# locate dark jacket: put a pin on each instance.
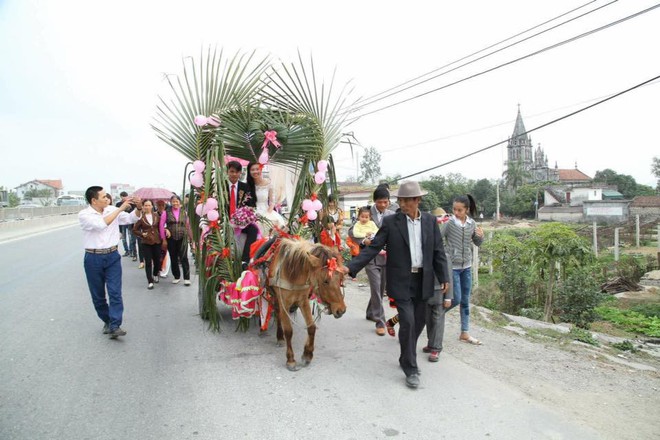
(393, 233)
(148, 233)
(244, 196)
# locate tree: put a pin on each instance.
(515, 175)
(624, 183)
(429, 202)
(485, 195)
(655, 170)
(554, 245)
(370, 165)
(38, 193)
(13, 199)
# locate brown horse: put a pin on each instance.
(298, 270)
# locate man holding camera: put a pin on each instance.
(100, 224)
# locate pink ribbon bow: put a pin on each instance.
(270, 136)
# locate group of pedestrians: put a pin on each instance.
(416, 257)
(412, 255)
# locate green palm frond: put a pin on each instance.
(208, 86)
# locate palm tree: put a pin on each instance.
(515, 175)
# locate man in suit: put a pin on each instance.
(415, 255)
(376, 268)
(240, 195)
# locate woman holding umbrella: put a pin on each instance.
(146, 229)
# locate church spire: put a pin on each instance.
(519, 128)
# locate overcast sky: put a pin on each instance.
(79, 82)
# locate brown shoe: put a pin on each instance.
(380, 331)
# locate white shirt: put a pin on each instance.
(98, 235)
(415, 237)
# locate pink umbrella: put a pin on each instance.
(154, 194)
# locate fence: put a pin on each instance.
(27, 212)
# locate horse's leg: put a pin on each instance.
(308, 354)
(287, 329)
(277, 308)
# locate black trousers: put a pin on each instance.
(151, 253)
(178, 255)
(412, 314)
(251, 231)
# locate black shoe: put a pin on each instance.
(126, 254)
(106, 329)
(412, 381)
(116, 333)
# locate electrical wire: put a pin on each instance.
(483, 72)
(374, 100)
(616, 95)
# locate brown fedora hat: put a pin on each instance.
(410, 189)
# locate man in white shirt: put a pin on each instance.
(100, 224)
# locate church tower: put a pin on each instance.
(534, 162)
(519, 148)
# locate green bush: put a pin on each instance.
(582, 335)
(625, 346)
(631, 320)
(579, 295)
(648, 310)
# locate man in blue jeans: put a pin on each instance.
(100, 225)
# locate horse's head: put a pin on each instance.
(328, 278)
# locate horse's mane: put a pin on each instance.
(323, 253)
(294, 264)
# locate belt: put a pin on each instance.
(415, 270)
(102, 251)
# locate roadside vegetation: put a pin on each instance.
(550, 273)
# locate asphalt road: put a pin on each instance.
(170, 378)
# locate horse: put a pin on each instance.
(298, 270)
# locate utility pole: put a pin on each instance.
(497, 204)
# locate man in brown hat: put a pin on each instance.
(415, 255)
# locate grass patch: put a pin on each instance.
(631, 321)
(582, 335)
(625, 346)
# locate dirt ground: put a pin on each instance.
(613, 392)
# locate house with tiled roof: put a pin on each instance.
(54, 185)
(647, 207)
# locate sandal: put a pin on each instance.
(470, 340)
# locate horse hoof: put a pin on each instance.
(292, 367)
(280, 343)
(305, 362)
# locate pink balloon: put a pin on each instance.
(213, 215)
(319, 177)
(322, 165)
(199, 210)
(306, 205)
(201, 120)
(311, 214)
(197, 180)
(263, 157)
(212, 120)
(211, 203)
(317, 205)
(199, 166)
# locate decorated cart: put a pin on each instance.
(249, 109)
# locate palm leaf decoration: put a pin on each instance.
(250, 97)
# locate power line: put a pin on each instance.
(476, 130)
(374, 100)
(532, 130)
(545, 49)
